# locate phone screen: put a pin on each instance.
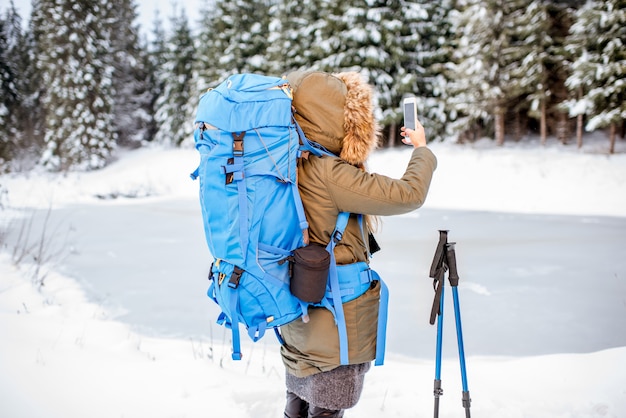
(409, 115)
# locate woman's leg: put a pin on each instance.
(296, 407)
(317, 412)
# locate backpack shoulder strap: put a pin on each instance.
(306, 145)
(337, 308)
(340, 226)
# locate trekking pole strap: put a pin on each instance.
(437, 270)
(439, 258)
(437, 308)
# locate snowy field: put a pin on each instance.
(66, 355)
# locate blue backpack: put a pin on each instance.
(253, 216)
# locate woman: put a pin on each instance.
(336, 111)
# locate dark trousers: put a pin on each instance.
(299, 408)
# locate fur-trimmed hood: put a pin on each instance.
(336, 111)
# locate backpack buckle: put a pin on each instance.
(236, 158)
(235, 277)
(238, 143)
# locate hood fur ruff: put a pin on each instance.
(336, 111)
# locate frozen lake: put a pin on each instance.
(530, 284)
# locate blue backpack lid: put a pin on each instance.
(240, 103)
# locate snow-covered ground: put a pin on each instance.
(63, 355)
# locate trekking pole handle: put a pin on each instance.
(453, 275)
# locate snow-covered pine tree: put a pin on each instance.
(477, 31)
(158, 43)
(175, 108)
(74, 40)
(350, 37)
(17, 76)
(242, 36)
(506, 79)
(492, 42)
(131, 78)
(31, 119)
(363, 37)
(206, 70)
(155, 60)
(9, 94)
(294, 33)
(580, 79)
(561, 13)
(597, 45)
(431, 50)
(529, 67)
(385, 58)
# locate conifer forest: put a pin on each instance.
(80, 79)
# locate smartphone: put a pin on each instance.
(410, 112)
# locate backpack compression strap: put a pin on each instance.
(223, 319)
(340, 226)
(381, 332)
(355, 274)
(234, 172)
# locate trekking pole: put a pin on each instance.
(437, 390)
(445, 260)
(437, 270)
(453, 277)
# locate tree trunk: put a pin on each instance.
(612, 135)
(579, 131)
(392, 135)
(543, 124)
(562, 130)
(499, 125)
(579, 123)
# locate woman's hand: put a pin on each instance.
(416, 137)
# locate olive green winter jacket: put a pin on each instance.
(331, 185)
